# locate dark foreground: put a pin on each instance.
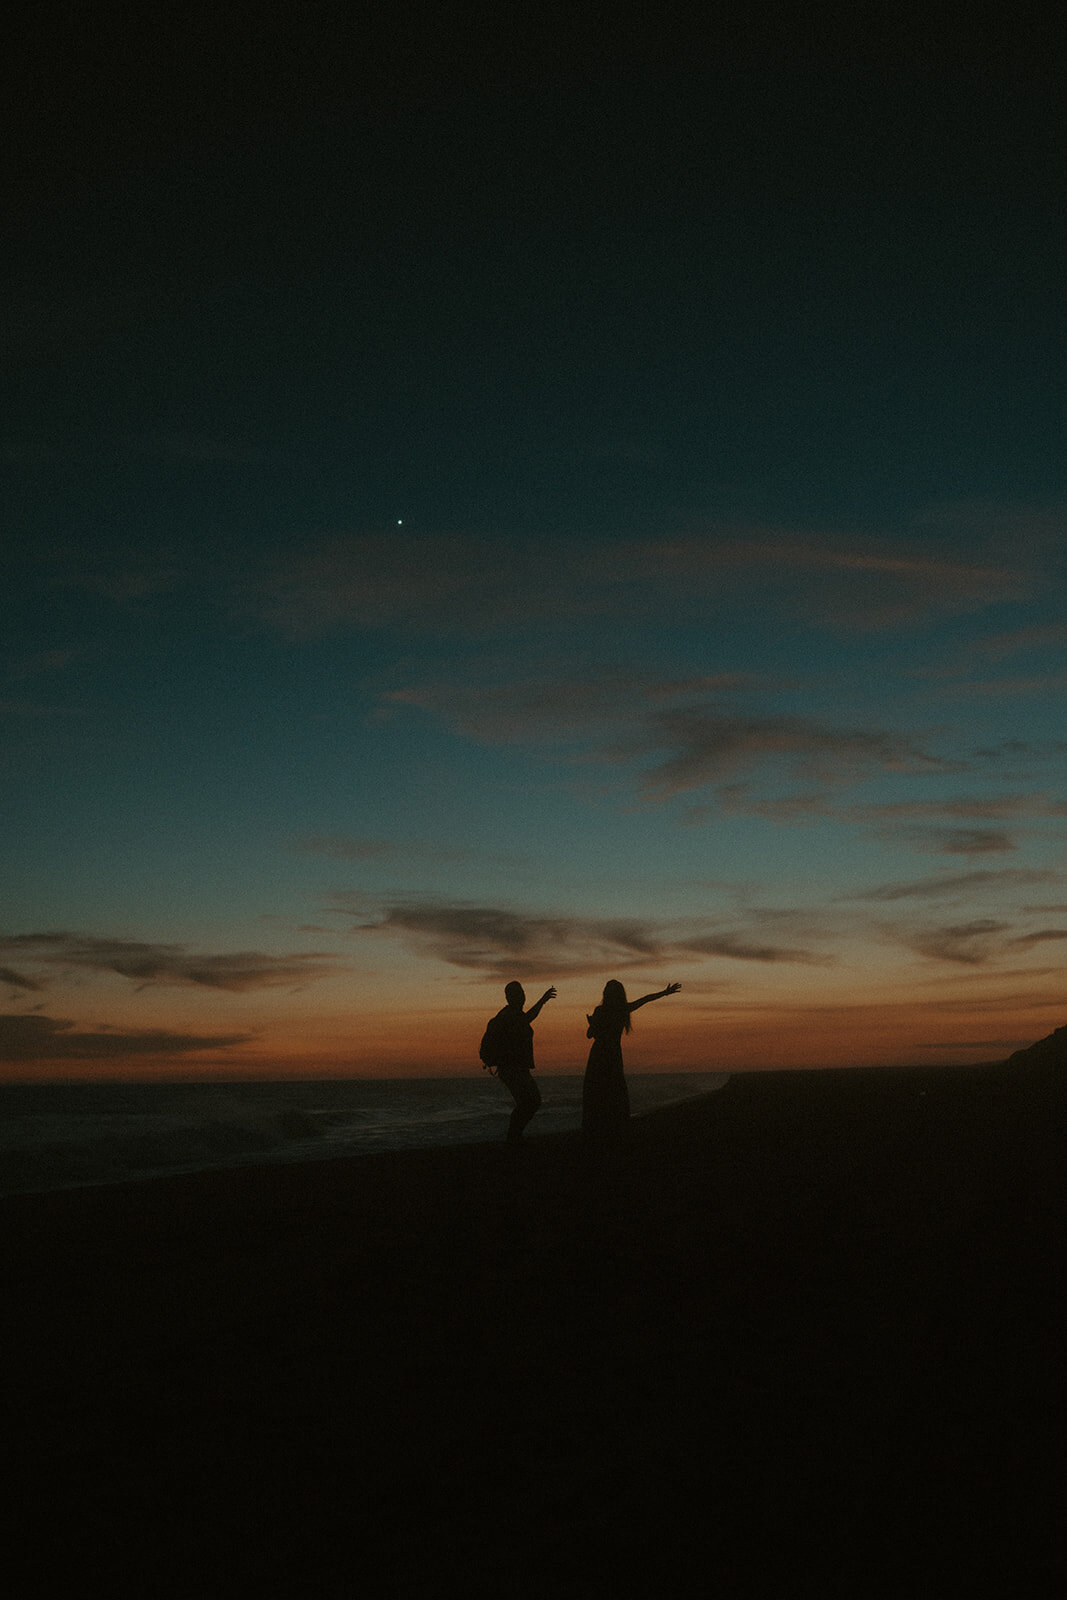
(807, 1340)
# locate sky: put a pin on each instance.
(568, 497)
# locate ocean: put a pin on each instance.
(68, 1135)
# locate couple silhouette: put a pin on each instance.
(605, 1097)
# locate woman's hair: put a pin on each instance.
(614, 999)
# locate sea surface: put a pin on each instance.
(68, 1135)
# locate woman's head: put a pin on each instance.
(614, 998)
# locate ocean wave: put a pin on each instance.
(60, 1136)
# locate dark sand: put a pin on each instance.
(807, 1340)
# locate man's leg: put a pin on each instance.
(527, 1097)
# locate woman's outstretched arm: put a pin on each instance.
(672, 988)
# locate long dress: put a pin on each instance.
(605, 1097)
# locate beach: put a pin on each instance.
(804, 1336)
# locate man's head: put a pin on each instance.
(515, 995)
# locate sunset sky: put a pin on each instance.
(542, 500)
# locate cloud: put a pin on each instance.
(968, 943)
(707, 746)
(946, 885)
(1041, 936)
(620, 719)
(1047, 683)
(911, 815)
(808, 808)
(956, 841)
(438, 583)
(1020, 750)
(501, 943)
(975, 942)
(541, 710)
(17, 980)
(38, 1038)
(738, 948)
(975, 655)
(739, 799)
(169, 963)
(855, 581)
(973, 1044)
(994, 808)
(1020, 641)
(475, 584)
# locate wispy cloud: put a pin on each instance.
(993, 808)
(502, 943)
(1015, 688)
(979, 654)
(972, 1044)
(956, 841)
(375, 581)
(1037, 637)
(124, 571)
(38, 1038)
(913, 822)
(953, 885)
(806, 808)
(1040, 936)
(706, 747)
(975, 942)
(560, 709)
(18, 980)
(698, 742)
(741, 947)
(1017, 751)
(463, 582)
(968, 943)
(147, 963)
(845, 581)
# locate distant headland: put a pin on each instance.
(1048, 1052)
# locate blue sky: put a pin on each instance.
(597, 512)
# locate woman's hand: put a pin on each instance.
(672, 988)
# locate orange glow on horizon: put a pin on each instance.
(735, 1037)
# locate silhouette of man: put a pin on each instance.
(513, 1037)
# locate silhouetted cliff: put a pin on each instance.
(1050, 1052)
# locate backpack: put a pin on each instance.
(489, 1049)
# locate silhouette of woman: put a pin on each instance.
(605, 1097)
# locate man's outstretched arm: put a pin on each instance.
(549, 994)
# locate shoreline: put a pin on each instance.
(105, 1134)
(809, 1310)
